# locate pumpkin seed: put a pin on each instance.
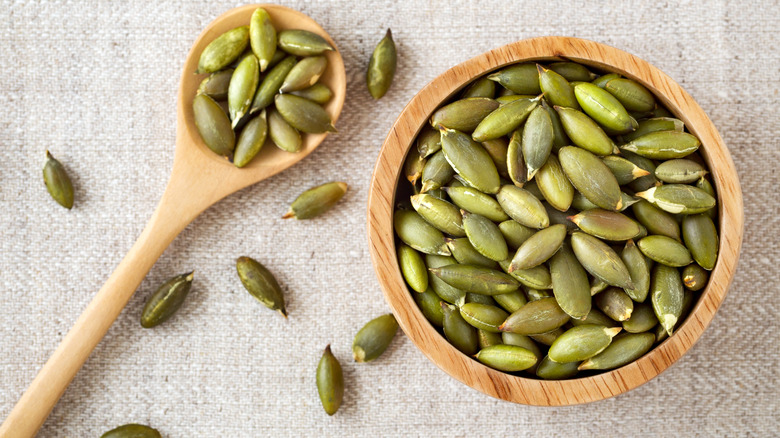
(480, 299)
(223, 50)
(251, 140)
(694, 277)
(465, 254)
(607, 225)
(261, 284)
(572, 71)
(604, 108)
(428, 142)
(213, 125)
(441, 214)
(374, 338)
(560, 139)
(514, 233)
(58, 182)
(319, 93)
(538, 248)
(446, 292)
(216, 84)
(554, 184)
(304, 74)
(679, 198)
(547, 338)
(705, 185)
(166, 300)
(701, 239)
(624, 170)
(413, 268)
(515, 163)
(639, 269)
(262, 37)
(598, 285)
(663, 145)
(463, 115)
(482, 87)
(550, 370)
(381, 67)
(485, 236)
(303, 43)
(631, 94)
(436, 172)
(470, 160)
(509, 358)
(460, 333)
(483, 316)
(591, 177)
(519, 78)
(303, 114)
(330, 382)
(536, 317)
(656, 220)
(511, 301)
(523, 341)
(615, 303)
(488, 339)
(429, 304)
(523, 207)
(474, 201)
(556, 88)
(666, 293)
(595, 317)
(665, 250)
(504, 119)
(537, 277)
(476, 279)
(498, 150)
(271, 84)
(537, 139)
(623, 350)
(642, 319)
(600, 260)
(601, 81)
(644, 182)
(132, 431)
(318, 200)
(284, 136)
(680, 171)
(580, 343)
(584, 132)
(654, 125)
(570, 283)
(241, 90)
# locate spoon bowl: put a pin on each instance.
(199, 179)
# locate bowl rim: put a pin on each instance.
(528, 390)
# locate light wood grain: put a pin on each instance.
(199, 179)
(527, 390)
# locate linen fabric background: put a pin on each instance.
(95, 83)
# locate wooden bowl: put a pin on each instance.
(528, 390)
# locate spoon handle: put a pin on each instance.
(48, 386)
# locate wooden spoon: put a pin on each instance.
(199, 179)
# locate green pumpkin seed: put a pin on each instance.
(581, 203)
(600, 260)
(631, 94)
(262, 37)
(654, 125)
(580, 343)
(679, 198)
(536, 317)
(560, 139)
(509, 358)
(604, 108)
(623, 350)
(624, 170)
(556, 88)
(595, 317)
(413, 268)
(488, 339)
(511, 301)
(627, 201)
(642, 319)
(441, 214)
(330, 382)
(535, 294)
(470, 160)
(550, 370)
(463, 115)
(601, 81)
(414, 231)
(498, 150)
(656, 220)
(701, 239)
(615, 303)
(639, 269)
(591, 177)
(261, 284)
(381, 67)
(514, 233)
(304, 74)
(547, 338)
(303, 114)
(428, 142)
(319, 93)
(505, 119)
(482, 87)
(132, 431)
(554, 185)
(460, 333)
(532, 188)
(213, 125)
(644, 182)
(680, 171)
(465, 254)
(251, 140)
(284, 136)
(476, 279)
(374, 338)
(446, 292)
(570, 283)
(523, 207)
(694, 277)
(166, 300)
(271, 84)
(607, 225)
(584, 132)
(216, 84)
(666, 293)
(519, 78)
(515, 162)
(537, 277)
(665, 250)
(303, 43)
(485, 236)
(663, 145)
(537, 140)
(705, 185)
(538, 248)
(429, 304)
(572, 71)
(504, 99)
(598, 285)
(318, 200)
(480, 299)
(241, 90)
(436, 172)
(523, 341)
(483, 316)
(58, 182)
(474, 201)
(223, 50)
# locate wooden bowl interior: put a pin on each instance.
(524, 390)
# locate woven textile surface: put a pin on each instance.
(95, 83)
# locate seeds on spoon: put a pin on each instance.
(262, 37)
(213, 125)
(303, 114)
(251, 140)
(300, 42)
(223, 50)
(304, 74)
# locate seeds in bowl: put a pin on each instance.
(561, 208)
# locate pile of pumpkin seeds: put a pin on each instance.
(262, 83)
(556, 220)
